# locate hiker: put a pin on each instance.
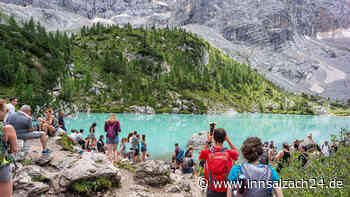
(134, 146)
(143, 147)
(219, 161)
(296, 145)
(334, 148)
(188, 163)
(325, 149)
(253, 173)
(81, 140)
(22, 122)
(73, 136)
(12, 105)
(189, 151)
(112, 127)
(61, 121)
(178, 155)
(309, 143)
(273, 150)
(303, 157)
(91, 143)
(50, 123)
(101, 145)
(123, 148)
(284, 156)
(266, 155)
(8, 145)
(137, 154)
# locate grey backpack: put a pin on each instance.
(257, 177)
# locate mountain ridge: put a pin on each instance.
(279, 38)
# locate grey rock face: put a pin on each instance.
(142, 109)
(153, 172)
(300, 45)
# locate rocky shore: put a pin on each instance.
(68, 173)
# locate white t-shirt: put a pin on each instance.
(325, 150)
(11, 108)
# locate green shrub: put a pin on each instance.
(67, 143)
(320, 173)
(89, 187)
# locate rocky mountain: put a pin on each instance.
(300, 45)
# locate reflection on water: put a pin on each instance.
(163, 131)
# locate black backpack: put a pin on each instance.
(187, 163)
(265, 157)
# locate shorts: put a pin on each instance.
(5, 173)
(188, 171)
(143, 149)
(137, 152)
(30, 135)
(115, 140)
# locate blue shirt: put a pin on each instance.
(236, 169)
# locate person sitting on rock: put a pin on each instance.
(51, 123)
(8, 144)
(101, 145)
(22, 122)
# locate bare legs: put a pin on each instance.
(6, 189)
(115, 153)
(110, 152)
(143, 155)
(11, 138)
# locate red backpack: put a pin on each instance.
(217, 168)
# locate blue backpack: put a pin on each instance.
(180, 155)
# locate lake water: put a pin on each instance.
(163, 130)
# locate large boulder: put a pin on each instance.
(198, 140)
(87, 167)
(153, 172)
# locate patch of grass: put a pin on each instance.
(67, 143)
(128, 167)
(89, 187)
(26, 162)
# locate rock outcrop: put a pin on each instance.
(153, 172)
(56, 173)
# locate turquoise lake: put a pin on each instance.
(163, 130)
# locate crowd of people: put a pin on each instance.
(132, 147)
(217, 161)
